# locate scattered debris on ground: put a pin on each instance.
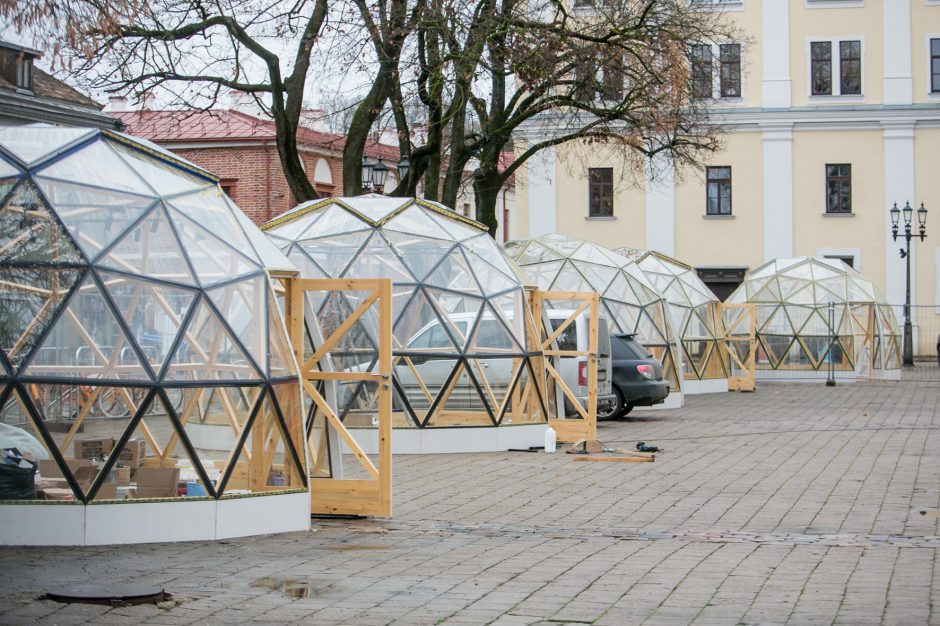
(595, 450)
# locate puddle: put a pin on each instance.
(352, 547)
(287, 586)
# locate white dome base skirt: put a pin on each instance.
(706, 385)
(811, 376)
(456, 439)
(76, 524)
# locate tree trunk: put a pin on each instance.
(487, 184)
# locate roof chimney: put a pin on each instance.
(243, 102)
(117, 104)
(146, 101)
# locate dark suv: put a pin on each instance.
(637, 377)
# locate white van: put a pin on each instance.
(573, 370)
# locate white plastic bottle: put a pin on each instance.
(550, 439)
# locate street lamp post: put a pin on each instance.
(908, 355)
(374, 175)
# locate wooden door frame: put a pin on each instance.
(585, 425)
(341, 496)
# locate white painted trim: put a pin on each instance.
(897, 81)
(777, 143)
(836, 74)
(54, 524)
(936, 274)
(834, 4)
(543, 200)
(775, 32)
(899, 187)
(660, 206)
(452, 440)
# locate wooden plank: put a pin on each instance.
(384, 505)
(569, 431)
(318, 375)
(332, 496)
(610, 459)
(340, 332)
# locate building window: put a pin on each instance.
(838, 188)
(730, 70)
(826, 75)
(466, 209)
(228, 186)
(848, 259)
(701, 71)
(718, 190)
(613, 78)
(601, 192)
(24, 73)
(935, 65)
(850, 68)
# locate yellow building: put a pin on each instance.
(831, 113)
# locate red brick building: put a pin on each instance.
(241, 150)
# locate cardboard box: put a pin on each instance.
(123, 475)
(132, 453)
(107, 491)
(91, 448)
(157, 482)
(49, 469)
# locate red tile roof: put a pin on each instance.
(189, 126)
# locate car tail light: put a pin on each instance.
(646, 371)
(582, 373)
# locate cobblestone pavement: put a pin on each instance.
(797, 504)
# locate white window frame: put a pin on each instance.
(835, 4)
(836, 69)
(715, 48)
(855, 253)
(720, 5)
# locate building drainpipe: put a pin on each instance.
(267, 181)
(505, 218)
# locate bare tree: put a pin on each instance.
(616, 71)
(195, 50)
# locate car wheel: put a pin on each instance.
(617, 408)
(626, 410)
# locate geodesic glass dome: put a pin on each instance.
(142, 346)
(461, 324)
(694, 308)
(792, 297)
(630, 303)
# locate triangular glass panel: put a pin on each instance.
(295, 229)
(332, 254)
(770, 292)
(212, 259)
(544, 273)
(454, 228)
(334, 221)
(599, 276)
(97, 165)
(281, 361)
(318, 444)
(490, 335)
(86, 341)
(798, 316)
(153, 312)
(454, 273)
(803, 295)
(150, 249)
(418, 328)
(777, 322)
(495, 377)
(7, 169)
(163, 178)
(570, 279)
(242, 305)
(95, 217)
(264, 463)
(422, 378)
(209, 207)
(208, 352)
(621, 290)
(213, 419)
(589, 253)
(376, 260)
(534, 252)
(156, 459)
(417, 221)
(308, 269)
(84, 422)
(486, 248)
(420, 254)
(6, 184)
(29, 232)
(513, 309)
(774, 348)
(459, 403)
(457, 311)
(375, 207)
(33, 142)
(622, 318)
(29, 298)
